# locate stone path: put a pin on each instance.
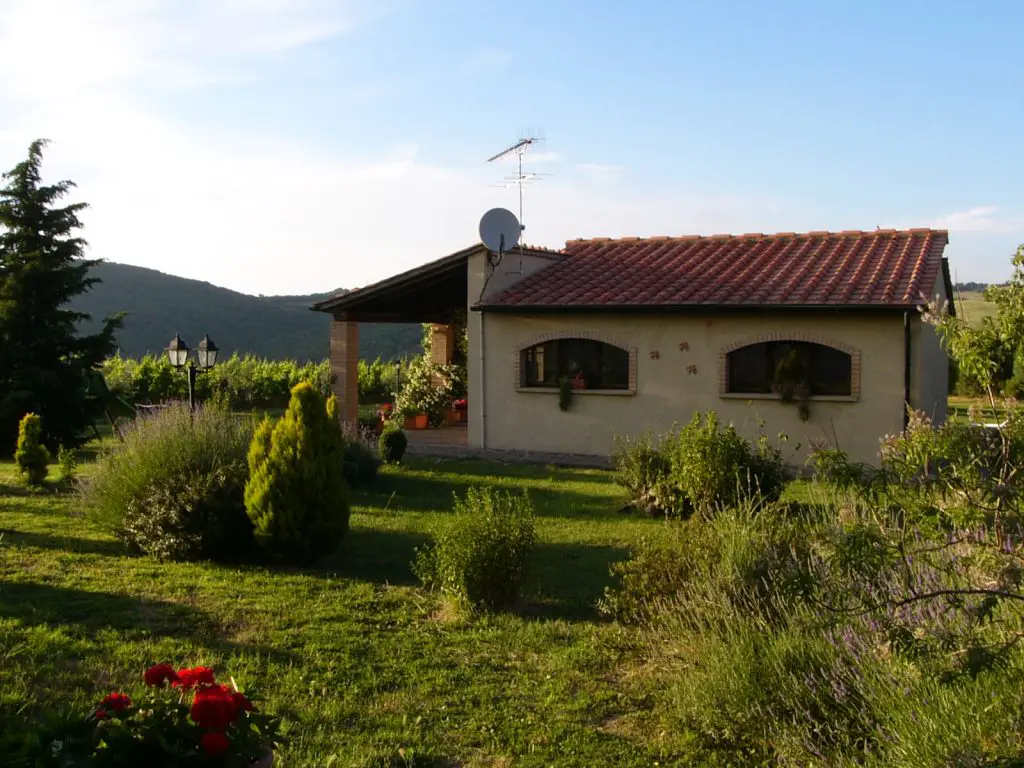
(520, 457)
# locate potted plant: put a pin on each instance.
(578, 381)
(417, 421)
(791, 384)
(459, 408)
(183, 717)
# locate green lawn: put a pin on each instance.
(363, 665)
(972, 306)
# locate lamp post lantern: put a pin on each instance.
(398, 376)
(206, 355)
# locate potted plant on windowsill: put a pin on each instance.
(791, 385)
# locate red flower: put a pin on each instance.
(114, 702)
(214, 743)
(214, 708)
(243, 704)
(159, 674)
(193, 677)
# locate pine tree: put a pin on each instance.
(43, 362)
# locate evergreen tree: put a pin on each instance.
(43, 362)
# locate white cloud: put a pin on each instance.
(258, 213)
(599, 173)
(981, 218)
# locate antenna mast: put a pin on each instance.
(518, 149)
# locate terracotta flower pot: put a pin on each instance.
(577, 384)
(419, 421)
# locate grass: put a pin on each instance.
(972, 306)
(365, 667)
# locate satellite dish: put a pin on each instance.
(500, 230)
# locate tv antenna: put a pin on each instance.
(519, 179)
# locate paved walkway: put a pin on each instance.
(451, 443)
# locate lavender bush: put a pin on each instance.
(174, 487)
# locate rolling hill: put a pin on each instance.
(159, 305)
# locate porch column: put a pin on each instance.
(442, 344)
(345, 366)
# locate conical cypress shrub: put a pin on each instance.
(31, 455)
(296, 495)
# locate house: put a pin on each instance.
(815, 335)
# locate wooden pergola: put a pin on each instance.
(433, 293)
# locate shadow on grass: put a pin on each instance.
(411, 759)
(381, 557)
(567, 580)
(64, 543)
(34, 604)
(434, 493)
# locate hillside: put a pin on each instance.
(278, 327)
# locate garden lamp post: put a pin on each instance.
(398, 376)
(206, 356)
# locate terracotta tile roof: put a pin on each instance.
(881, 268)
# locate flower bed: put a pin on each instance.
(183, 716)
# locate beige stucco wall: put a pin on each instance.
(679, 366)
(484, 281)
(929, 365)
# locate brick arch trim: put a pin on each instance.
(853, 352)
(590, 336)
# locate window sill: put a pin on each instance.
(765, 396)
(554, 391)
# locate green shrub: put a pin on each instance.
(31, 455)
(641, 468)
(657, 569)
(174, 486)
(708, 463)
(392, 443)
(296, 495)
(699, 467)
(482, 556)
(67, 463)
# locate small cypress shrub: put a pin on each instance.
(296, 496)
(392, 443)
(31, 455)
(482, 556)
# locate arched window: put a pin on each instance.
(778, 366)
(586, 363)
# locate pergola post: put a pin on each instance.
(442, 343)
(345, 366)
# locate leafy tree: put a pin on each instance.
(43, 362)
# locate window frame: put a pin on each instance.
(522, 370)
(725, 388)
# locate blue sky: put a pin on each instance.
(286, 146)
